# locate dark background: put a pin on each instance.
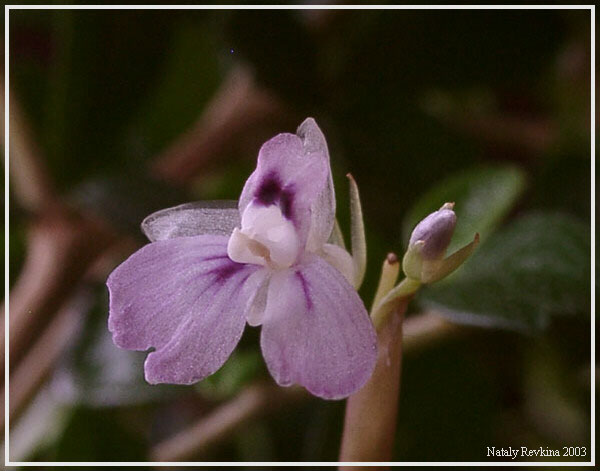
(132, 111)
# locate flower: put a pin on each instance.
(210, 268)
(424, 260)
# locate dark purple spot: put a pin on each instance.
(214, 257)
(225, 272)
(270, 190)
(285, 202)
(304, 284)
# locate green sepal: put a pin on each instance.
(435, 270)
(412, 263)
(357, 234)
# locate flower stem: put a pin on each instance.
(370, 421)
(387, 302)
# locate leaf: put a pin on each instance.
(536, 268)
(239, 370)
(99, 435)
(186, 82)
(483, 197)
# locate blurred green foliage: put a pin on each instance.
(106, 91)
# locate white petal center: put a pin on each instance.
(265, 238)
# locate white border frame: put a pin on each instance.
(591, 8)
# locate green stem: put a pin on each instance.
(387, 280)
(386, 304)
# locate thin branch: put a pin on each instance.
(426, 329)
(239, 111)
(41, 358)
(60, 249)
(253, 401)
(419, 331)
(30, 181)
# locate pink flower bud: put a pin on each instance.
(435, 231)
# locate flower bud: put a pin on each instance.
(435, 231)
(424, 260)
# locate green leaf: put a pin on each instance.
(100, 435)
(185, 84)
(483, 197)
(536, 268)
(240, 369)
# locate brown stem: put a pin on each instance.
(239, 110)
(30, 180)
(39, 361)
(256, 399)
(370, 422)
(419, 331)
(426, 329)
(60, 249)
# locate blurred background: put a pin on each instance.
(115, 114)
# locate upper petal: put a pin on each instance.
(293, 172)
(322, 214)
(185, 298)
(316, 331)
(192, 219)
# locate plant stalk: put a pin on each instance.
(370, 421)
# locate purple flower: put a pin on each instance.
(211, 268)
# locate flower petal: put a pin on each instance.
(293, 172)
(185, 298)
(322, 213)
(340, 260)
(192, 219)
(317, 332)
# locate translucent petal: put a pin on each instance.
(191, 219)
(322, 211)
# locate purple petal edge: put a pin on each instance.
(185, 298)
